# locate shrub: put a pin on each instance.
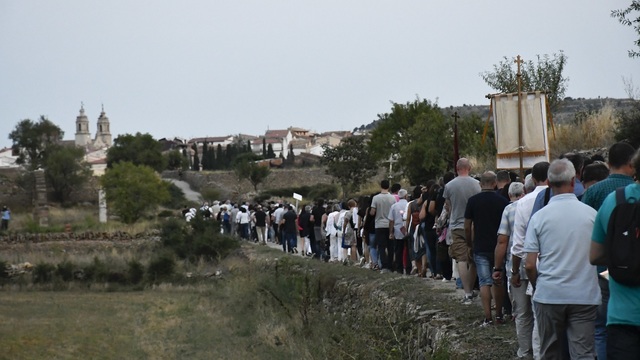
(197, 238)
(161, 267)
(176, 197)
(3, 270)
(135, 272)
(589, 131)
(96, 271)
(43, 273)
(65, 270)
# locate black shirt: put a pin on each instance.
(290, 225)
(261, 218)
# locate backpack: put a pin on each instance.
(622, 243)
(226, 216)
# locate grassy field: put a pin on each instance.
(266, 305)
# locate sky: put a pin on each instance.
(196, 68)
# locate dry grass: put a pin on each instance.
(254, 311)
(594, 131)
(80, 219)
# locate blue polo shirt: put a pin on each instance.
(624, 301)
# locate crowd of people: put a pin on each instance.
(535, 251)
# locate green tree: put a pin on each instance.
(195, 166)
(626, 18)
(264, 148)
(175, 160)
(31, 139)
(546, 74)
(65, 170)
(205, 156)
(629, 126)
(350, 163)
(245, 167)
(139, 149)
(133, 190)
(270, 153)
(419, 135)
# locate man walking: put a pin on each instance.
(623, 318)
(566, 293)
(397, 232)
(456, 193)
(380, 206)
(482, 219)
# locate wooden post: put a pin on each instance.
(456, 152)
(520, 147)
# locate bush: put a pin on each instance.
(589, 131)
(161, 268)
(43, 273)
(65, 270)
(196, 239)
(96, 271)
(176, 197)
(135, 272)
(3, 270)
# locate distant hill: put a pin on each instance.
(565, 113)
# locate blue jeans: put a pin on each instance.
(291, 239)
(373, 250)
(601, 320)
(484, 264)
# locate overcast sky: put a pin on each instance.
(213, 68)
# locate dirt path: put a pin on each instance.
(186, 189)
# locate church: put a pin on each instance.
(102, 139)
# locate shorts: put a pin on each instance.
(459, 250)
(484, 266)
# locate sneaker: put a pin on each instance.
(414, 270)
(362, 261)
(385, 271)
(467, 300)
(486, 323)
(500, 320)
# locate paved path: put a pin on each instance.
(186, 189)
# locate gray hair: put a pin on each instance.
(488, 178)
(560, 172)
(529, 185)
(402, 193)
(516, 189)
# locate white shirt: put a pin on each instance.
(521, 220)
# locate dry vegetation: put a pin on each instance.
(261, 307)
(591, 131)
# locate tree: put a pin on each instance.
(419, 135)
(133, 190)
(175, 160)
(625, 18)
(350, 163)
(270, 153)
(205, 156)
(31, 139)
(543, 75)
(65, 170)
(245, 167)
(264, 148)
(196, 159)
(139, 149)
(629, 126)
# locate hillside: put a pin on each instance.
(565, 113)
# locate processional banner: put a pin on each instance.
(535, 144)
